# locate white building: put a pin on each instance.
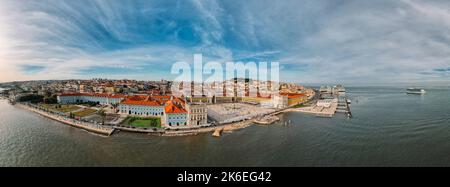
(325, 90)
(103, 99)
(143, 105)
(197, 114)
(141, 108)
(280, 101)
(175, 114)
(339, 90)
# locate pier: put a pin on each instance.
(343, 106)
(267, 120)
(217, 132)
(332, 101)
(319, 111)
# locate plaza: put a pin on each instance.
(235, 112)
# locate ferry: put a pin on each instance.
(415, 91)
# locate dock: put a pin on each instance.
(332, 100)
(344, 107)
(319, 111)
(266, 120)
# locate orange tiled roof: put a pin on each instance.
(117, 96)
(73, 94)
(293, 95)
(172, 108)
(179, 101)
(138, 97)
(142, 102)
(161, 97)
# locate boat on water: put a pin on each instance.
(415, 91)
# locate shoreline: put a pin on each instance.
(109, 130)
(102, 130)
(227, 128)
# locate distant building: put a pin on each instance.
(103, 99)
(280, 101)
(339, 90)
(295, 98)
(325, 90)
(109, 89)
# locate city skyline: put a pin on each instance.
(350, 42)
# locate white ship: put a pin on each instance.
(339, 90)
(415, 91)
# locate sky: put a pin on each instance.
(315, 41)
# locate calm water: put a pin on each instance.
(389, 128)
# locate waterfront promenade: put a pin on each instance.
(95, 128)
(224, 128)
(109, 130)
(230, 117)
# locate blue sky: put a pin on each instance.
(315, 41)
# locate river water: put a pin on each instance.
(389, 128)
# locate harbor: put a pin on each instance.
(344, 106)
(331, 100)
(229, 117)
(225, 117)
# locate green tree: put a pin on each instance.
(102, 113)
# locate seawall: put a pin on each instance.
(98, 129)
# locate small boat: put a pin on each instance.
(415, 91)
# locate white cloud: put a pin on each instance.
(318, 41)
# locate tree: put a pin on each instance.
(102, 113)
(32, 99)
(115, 106)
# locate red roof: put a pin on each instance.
(144, 102)
(172, 108)
(166, 97)
(116, 96)
(138, 97)
(141, 100)
(293, 95)
(73, 94)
